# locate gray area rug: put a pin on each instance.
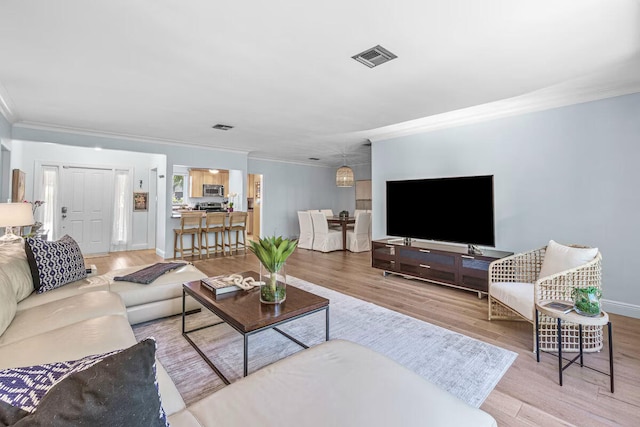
(466, 367)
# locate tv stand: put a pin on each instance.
(442, 264)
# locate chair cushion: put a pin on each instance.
(54, 264)
(518, 296)
(118, 388)
(559, 258)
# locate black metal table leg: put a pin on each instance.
(246, 356)
(610, 355)
(580, 343)
(184, 296)
(327, 324)
(560, 350)
(537, 336)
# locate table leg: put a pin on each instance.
(560, 350)
(184, 296)
(344, 236)
(580, 343)
(610, 355)
(537, 336)
(246, 351)
(327, 324)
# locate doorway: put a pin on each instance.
(254, 205)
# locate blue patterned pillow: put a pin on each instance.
(54, 264)
(117, 388)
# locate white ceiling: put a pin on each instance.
(281, 72)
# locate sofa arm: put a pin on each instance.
(559, 286)
(523, 267)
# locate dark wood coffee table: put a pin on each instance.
(243, 311)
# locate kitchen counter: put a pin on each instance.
(179, 213)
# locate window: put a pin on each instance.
(179, 189)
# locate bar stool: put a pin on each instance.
(601, 320)
(190, 224)
(237, 223)
(214, 223)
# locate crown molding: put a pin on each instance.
(7, 108)
(617, 80)
(46, 127)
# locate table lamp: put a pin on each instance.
(14, 215)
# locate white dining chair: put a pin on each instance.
(305, 241)
(358, 239)
(327, 212)
(324, 238)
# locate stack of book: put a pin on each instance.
(218, 286)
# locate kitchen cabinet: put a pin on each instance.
(199, 177)
(250, 222)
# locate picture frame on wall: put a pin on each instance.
(140, 201)
(17, 186)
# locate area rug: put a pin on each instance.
(466, 367)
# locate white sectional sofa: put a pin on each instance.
(335, 383)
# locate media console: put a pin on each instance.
(437, 263)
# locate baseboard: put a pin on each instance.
(138, 247)
(621, 308)
(160, 253)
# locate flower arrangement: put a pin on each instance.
(272, 252)
(232, 198)
(35, 205)
(587, 300)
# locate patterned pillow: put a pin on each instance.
(54, 264)
(117, 388)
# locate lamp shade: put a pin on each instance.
(344, 177)
(16, 214)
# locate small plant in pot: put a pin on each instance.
(587, 300)
(272, 252)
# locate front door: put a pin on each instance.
(87, 194)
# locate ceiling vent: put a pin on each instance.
(222, 127)
(375, 56)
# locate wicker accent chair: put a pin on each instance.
(515, 287)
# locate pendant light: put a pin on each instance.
(344, 175)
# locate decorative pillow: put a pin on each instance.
(559, 258)
(114, 389)
(54, 264)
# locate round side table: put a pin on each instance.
(573, 317)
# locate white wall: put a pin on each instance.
(568, 174)
(139, 163)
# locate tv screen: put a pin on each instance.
(456, 210)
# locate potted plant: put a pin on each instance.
(587, 300)
(272, 252)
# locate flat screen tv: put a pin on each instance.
(458, 210)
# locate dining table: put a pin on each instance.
(343, 221)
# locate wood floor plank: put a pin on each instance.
(528, 394)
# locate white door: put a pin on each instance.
(86, 207)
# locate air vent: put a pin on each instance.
(375, 56)
(222, 127)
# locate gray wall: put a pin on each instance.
(568, 174)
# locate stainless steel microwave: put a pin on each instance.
(213, 190)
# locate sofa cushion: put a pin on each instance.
(518, 296)
(8, 302)
(13, 262)
(559, 258)
(60, 313)
(54, 264)
(165, 287)
(118, 388)
(90, 284)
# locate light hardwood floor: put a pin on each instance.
(527, 395)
